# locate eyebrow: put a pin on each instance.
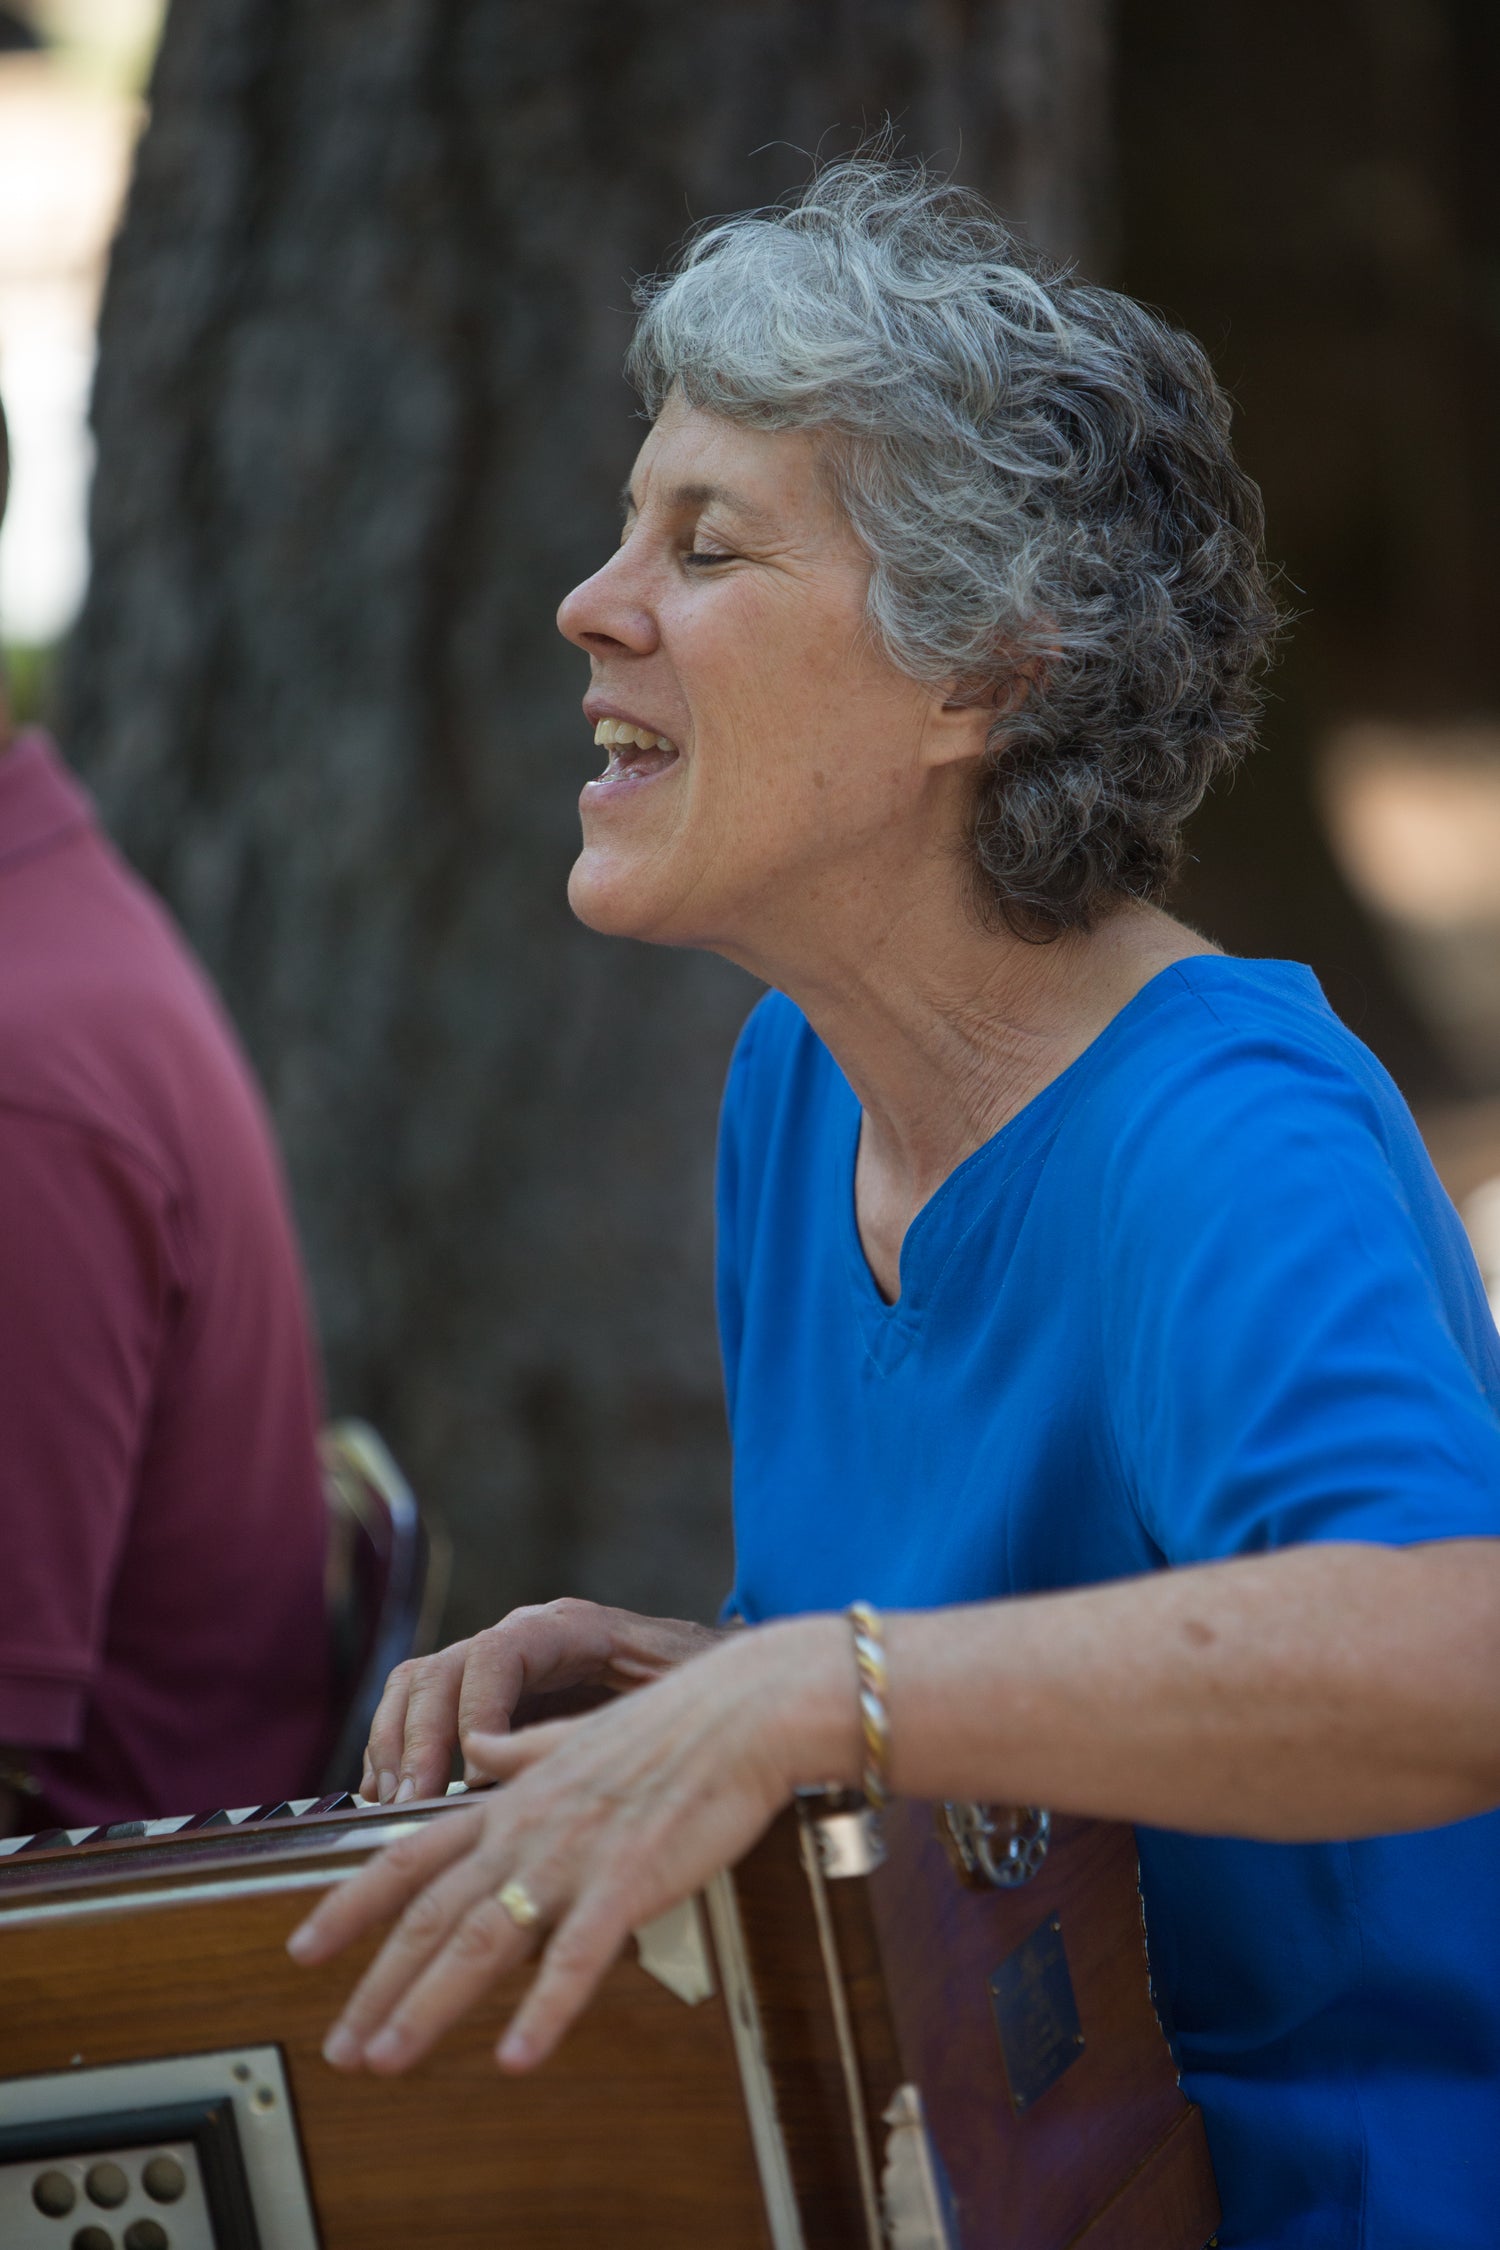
(681, 497)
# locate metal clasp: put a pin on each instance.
(846, 1834)
(999, 1845)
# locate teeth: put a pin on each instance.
(611, 734)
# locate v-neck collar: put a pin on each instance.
(960, 1202)
(938, 1230)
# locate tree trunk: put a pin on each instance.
(360, 426)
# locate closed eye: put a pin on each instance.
(705, 555)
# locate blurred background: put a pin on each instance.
(348, 283)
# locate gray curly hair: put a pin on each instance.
(1041, 473)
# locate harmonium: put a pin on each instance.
(934, 2035)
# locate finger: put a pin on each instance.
(493, 1682)
(499, 1757)
(558, 1645)
(430, 1735)
(419, 1938)
(578, 1955)
(387, 1732)
(382, 1888)
(480, 1946)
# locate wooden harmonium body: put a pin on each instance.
(954, 2049)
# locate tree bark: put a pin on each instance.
(360, 425)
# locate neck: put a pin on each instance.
(946, 1029)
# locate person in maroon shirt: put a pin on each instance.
(163, 1638)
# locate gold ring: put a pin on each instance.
(519, 1903)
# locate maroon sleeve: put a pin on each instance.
(84, 1294)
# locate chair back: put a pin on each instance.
(387, 1576)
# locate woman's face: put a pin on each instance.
(776, 755)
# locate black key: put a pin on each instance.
(50, 1840)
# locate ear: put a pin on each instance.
(957, 732)
(961, 724)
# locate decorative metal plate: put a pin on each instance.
(155, 2194)
(1036, 2014)
(78, 2147)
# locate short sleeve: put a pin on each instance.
(1279, 1335)
(84, 1287)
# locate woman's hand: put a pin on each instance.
(606, 1821)
(508, 1674)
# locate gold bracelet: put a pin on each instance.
(875, 1718)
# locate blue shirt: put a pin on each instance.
(1202, 1297)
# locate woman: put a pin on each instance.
(1087, 1300)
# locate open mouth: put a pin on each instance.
(635, 753)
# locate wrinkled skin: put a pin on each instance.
(537, 1663)
(608, 1819)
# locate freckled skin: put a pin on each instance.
(813, 825)
(810, 768)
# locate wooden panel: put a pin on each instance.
(636, 2133)
(801, 2039)
(1037, 2179)
(1172, 2198)
(634, 2136)
(1112, 2155)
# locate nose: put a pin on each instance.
(605, 615)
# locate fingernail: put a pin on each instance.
(471, 1775)
(407, 1790)
(514, 2051)
(385, 2047)
(387, 1787)
(301, 1942)
(341, 2048)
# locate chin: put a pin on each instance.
(609, 896)
(645, 899)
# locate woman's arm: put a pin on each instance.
(1325, 1691)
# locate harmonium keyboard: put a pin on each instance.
(938, 2036)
